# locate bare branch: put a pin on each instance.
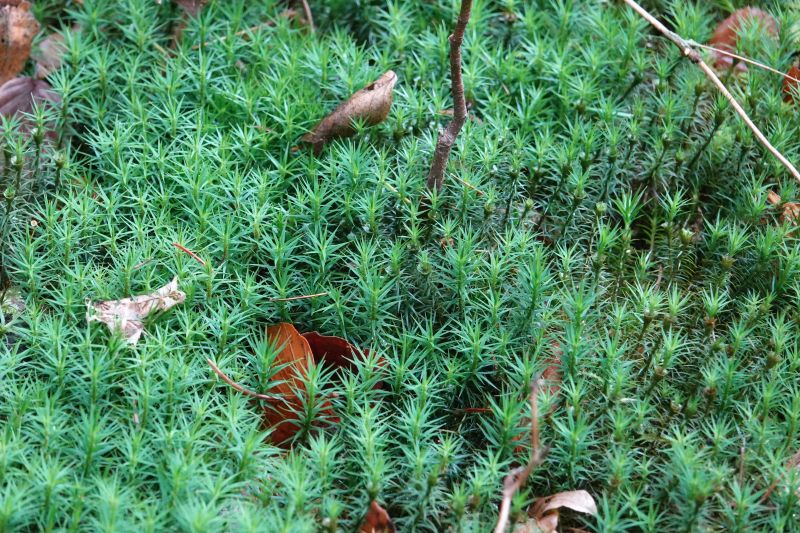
(514, 481)
(448, 135)
(687, 49)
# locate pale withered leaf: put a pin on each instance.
(128, 314)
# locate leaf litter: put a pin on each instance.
(370, 104)
(127, 315)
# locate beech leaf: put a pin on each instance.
(18, 26)
(577, 500)
(19, 94)
(370, 104)
(726, 36)
(294, 359)
(49, 55)
(790, 86)
(377, 520)
(128, 314)
(791, 210)
(544, 512)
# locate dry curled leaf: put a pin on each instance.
(377, 520)
(370, 104)
(17, 29)
(791, 88)
(791, 210)
(726, 36)
(49, 55)
(19, 94)
(128, 314)
(544, 513)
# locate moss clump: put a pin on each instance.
(615, 221)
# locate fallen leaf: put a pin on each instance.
(337, 353)
(577, 500)
(127, 315)
(791, 210)
(551, 375)
(726, 36)
(192, 7)
(791, 88)
(294, 357)
(19, 94)
(377, 520)
(544, 513)
(18, 26)
(49, 55)
(370, 104)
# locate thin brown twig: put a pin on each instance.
(689, 52)
(309, 16)
(745, 60)
(189, 253)
(304, 297)
(468, 184)
(447, 136)
(514, 481)
(241, 389)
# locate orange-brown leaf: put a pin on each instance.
(370, 104)
(726, 36)
(377, 520)
(791, 88)
(294, 359)
(294, 356)
(791, 210)
(17, 29)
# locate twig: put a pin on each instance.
(309, 16)
(189, 253)
(744, 60)
(688, 51)
(241, 389)
(514, 480)
(448, 135)
(468, 184)
(305, 296)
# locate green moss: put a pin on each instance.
(616, 220)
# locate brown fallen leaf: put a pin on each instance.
(791, 210)
(544, 513)
(295, 358)
(192, 7)
(49, 55)
(791, 88)
(296, 355)
(19, 94)
(377, 520)
(18, 26)
(370, 104)
(726, 36)
(128, 314)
